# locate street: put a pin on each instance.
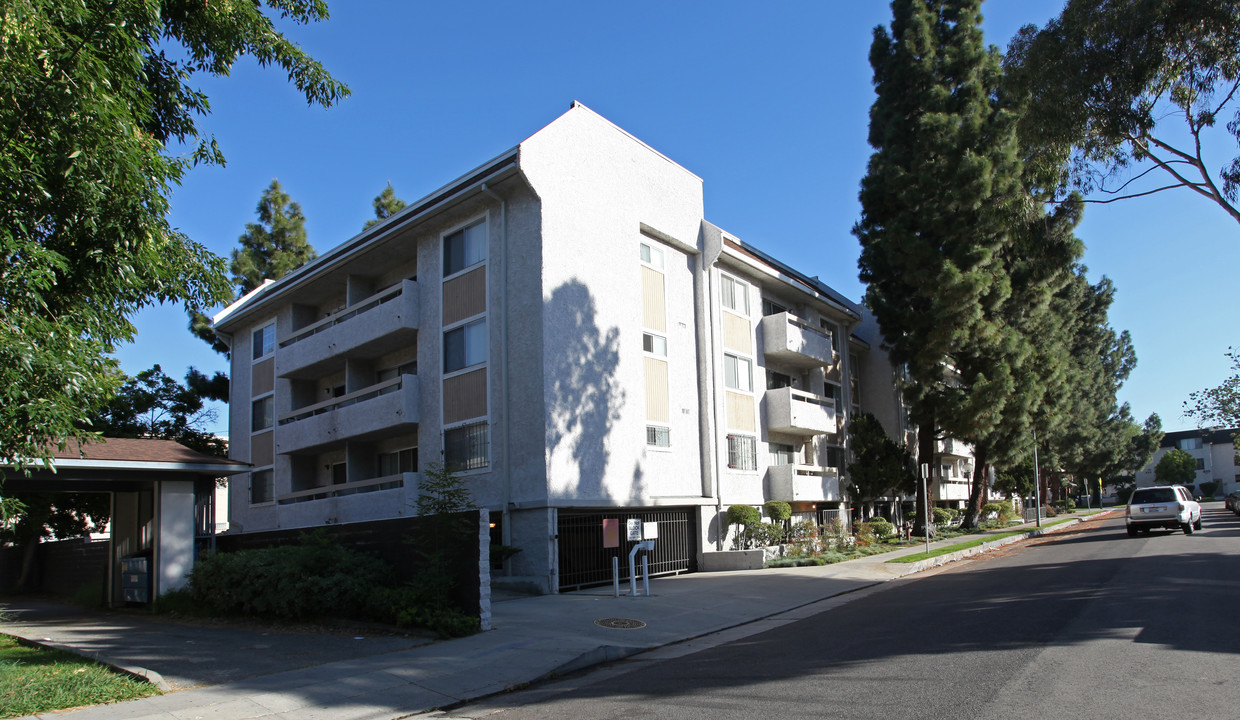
(1086, 623)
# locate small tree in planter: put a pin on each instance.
(746, 516)
(778, 511)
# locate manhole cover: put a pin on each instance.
(620, 623)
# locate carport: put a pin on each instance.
(162, 502)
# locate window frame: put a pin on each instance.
(463, 327)
(270, 400)
(727, 375)
(269, 474)
(651, 348)
(660, 431)
(464, 232)
(742, 452)
(478, 462)
(648, 254)
(398, 454)
(268, 349)
(725, 281)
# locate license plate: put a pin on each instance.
(1153, 509)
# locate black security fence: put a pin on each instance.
(585, 561)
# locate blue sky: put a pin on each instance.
(767, 102)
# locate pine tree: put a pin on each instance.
(386, 205)
(270, 249)
(937, 204)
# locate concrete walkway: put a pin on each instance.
(381, 678)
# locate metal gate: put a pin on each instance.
(585, 562)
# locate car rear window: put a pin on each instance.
(1153, 495)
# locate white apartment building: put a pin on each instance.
(563, 328)
(1215, 454)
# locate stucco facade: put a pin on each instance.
(1214, 451)
(563, 327)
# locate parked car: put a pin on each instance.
(1229, 502)
(1168, 506)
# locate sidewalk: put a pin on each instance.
(533, 638)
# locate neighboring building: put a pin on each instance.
(562, 327)
(1214, 451)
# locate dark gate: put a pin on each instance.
(585, 562)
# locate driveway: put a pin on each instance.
(195, 652)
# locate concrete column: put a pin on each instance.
(174, 536)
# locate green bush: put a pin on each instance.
(766, 534)
(316, 578)
(882, 528)
(777, 510)
(749, 517)
(942, 516)
(803, 533)
(992, 508)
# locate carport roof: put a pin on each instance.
(141, 454)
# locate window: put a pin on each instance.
(742, 452)
(1201, 464)
(770, 307)
(1192, 443)
(775, 380)
(464, 248)
(735, 295)
(835, 457)
(831, 329)
(264, 341)
(782, 454)
(737, 373)
(854, 381)
(397, 462)
(465, 346)
(261, 414)
(652, 256)
(262, 487)
(654, 344)
(658, 436)
(409, 368)
(340, 474)
(466, 447)
(835, 392)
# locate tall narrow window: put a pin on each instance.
(464, 248)
(264, 341)
(465, 346)
(734, 294)
(737, 373)
(261, 414)
(652, 256)
(262, 487)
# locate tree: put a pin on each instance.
(937, 205)
(1114, 83)
(1218, 405)
(153, 405)
(386, 205)
(270, 249)
(1177, 467)
(879, 465)
(94, 94)
(47, 515)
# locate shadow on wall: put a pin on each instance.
(584, 398)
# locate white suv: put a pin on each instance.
(1168, 506)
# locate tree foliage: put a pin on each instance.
(93, 93)
(1176, 467)
(880, 466)
(153, 405)
(1116, 83)
(938, 202)
(1218, 405)
(275, 245)
(386, 205)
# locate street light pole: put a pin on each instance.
(1037, 480)
(925, 494)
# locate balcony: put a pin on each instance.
(953, 448)
(390, 482)
(799, 413)
(788, 340)
(802, 483)
(381, 410)
(377, 325)
(950, 490)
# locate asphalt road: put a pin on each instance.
(1084, 624)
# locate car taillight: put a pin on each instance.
(1127, 510)
(1179, 507)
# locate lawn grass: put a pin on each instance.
(37, 680)
(935, 552)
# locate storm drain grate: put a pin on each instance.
(620, 623)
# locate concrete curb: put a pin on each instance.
(938, 560)
(134, 671)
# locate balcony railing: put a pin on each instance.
(388, 482)
(799, 413)
(389, 318)
(381, 410)
(787, 339)
(802, 483)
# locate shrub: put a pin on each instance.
(315, 578)
(766, 534)
(746, 515)
(1049, 511)
(992, 508)
(834, 536)
(777, 510)
(804, 534)
(882, 529)
(942, 516)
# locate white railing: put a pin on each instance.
(385, 295)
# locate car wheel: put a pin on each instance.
(1188, 528)
(1132, 532)
(1197, 525)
